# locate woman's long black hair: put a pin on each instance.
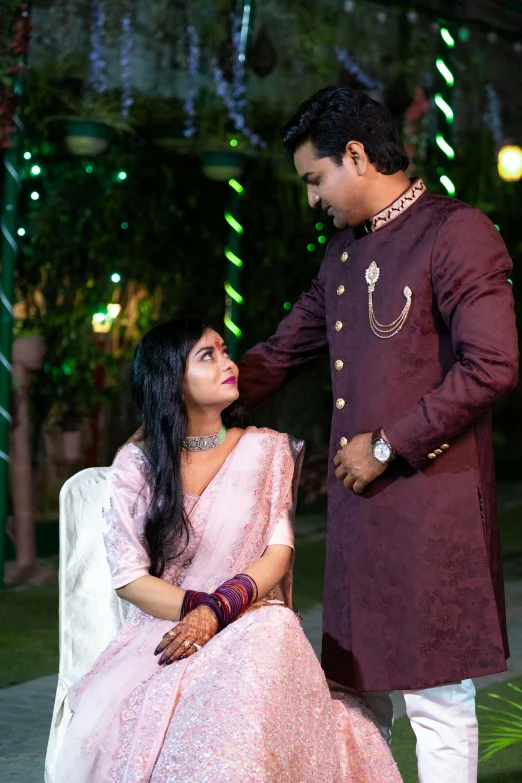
(158, 372)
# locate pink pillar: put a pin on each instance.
(27, 356)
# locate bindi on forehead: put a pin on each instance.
(217, 344)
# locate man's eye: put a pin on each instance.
(316, 182)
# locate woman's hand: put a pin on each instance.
(198, 626)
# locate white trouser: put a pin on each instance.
(445, 724)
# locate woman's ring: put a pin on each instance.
(197, 646)
(171, 632)
(187, 644)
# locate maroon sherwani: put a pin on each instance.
(413, 584)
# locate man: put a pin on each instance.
(414, 304)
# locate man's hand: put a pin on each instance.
(198, 626)
(355, 464)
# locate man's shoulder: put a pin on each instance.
(448, 211)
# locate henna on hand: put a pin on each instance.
(198, 626)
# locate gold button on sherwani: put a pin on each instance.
(338, 326)
(339, 364)
(432, 456)
(438, 451)
(344, 257)
(340, 290)
(340, 403)
(445, 446)
(343, 442)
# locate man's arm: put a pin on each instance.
(300, 338)
(470, 269)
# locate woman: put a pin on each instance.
(212, 678)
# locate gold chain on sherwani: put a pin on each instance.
(385, 331)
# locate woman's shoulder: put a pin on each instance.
(295, 445)
(131, 459)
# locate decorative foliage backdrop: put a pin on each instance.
(164, 78)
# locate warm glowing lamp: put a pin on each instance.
(510, 163)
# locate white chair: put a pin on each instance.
(91, 613)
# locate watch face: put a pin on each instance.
(381, 451)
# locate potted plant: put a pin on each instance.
(162, 120)
(91, 122)
(63, 437)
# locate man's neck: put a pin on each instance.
(386, 188)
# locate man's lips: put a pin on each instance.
(232, 379)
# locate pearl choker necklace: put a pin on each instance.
(205, 442)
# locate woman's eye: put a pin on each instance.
(207, 355)
(316, 182)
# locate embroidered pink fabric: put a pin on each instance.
(252, 704)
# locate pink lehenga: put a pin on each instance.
(253, 703)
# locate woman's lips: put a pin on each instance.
(232, 379)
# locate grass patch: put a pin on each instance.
(510, 520)
(310, 554)
(504, 767)
(28, 633)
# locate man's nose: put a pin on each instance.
(313, 199)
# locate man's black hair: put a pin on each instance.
(332, 117)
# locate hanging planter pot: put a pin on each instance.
(222, 165)
(63, 448)
(169, 136)
(29, 351)
(87, 138)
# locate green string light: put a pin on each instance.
(35, 195)
(27, 156)
(321, 239)
(497, 227)
(233, 294)
(444, 107)
(89, 169)
(444, 146)
(445, 71)
(233, 223)
(122, 175)
(319, 226)
(35, 171)
(124, 225)
(233, 142)
(115, 277)
(447, 37)
(236, 331)
(234, 298)
(232, 257)
(287, 305)
(236, 186)
(448, 184)
(310, 248)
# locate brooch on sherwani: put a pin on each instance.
(385, 331)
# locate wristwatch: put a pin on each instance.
(381, 449)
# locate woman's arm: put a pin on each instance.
(163, 600)
(154, 596)
(273, 566)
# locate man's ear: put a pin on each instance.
(356, 155)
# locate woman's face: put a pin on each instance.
(210, 374)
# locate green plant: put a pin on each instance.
(96, 107)
(502, 728)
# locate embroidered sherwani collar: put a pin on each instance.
(400, 205)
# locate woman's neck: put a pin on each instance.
(204, 423)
